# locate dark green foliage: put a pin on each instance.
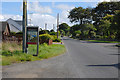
(52, 33)
(52, 30)
(64, 28)
(6, 53)
(20, 34)
(44, 32)
(56, 40)
(80, 15)
(45, 37)
(83, 31)
(106, 25)
(12, 33)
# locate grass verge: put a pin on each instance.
(102, 41)
(12, 53)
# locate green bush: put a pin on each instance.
(12, 33)
(22, 58)
(57, 40)
(45, 37)
(6, 53)
(28, 57)
(52, 33)
(17, 53)
(99, 37)
(20, 34)
(112, 36)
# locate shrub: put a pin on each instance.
(6, 53)
(52, 33)
(12, 33)
(43, 32)
(57, 40)
(22, 58)
(20, 34)
(45, 37)
(99, 37)
(112, 36)
(28, 57)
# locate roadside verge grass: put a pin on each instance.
(102, 41)
(12, 53)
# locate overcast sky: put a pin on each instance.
(43, 12)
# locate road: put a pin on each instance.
(93, 60)
(82, 60)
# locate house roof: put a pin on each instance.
(18, 21)
(15, 25)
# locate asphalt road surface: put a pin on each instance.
(82, 60)
(93, 60)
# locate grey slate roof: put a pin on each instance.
(18, 21)
(15, 25)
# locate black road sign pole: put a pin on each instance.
(38, 41)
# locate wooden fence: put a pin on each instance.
(12, 39)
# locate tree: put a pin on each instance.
(77, 33)
(103, 9)
(52, 30)
(65, 27)
(88, 30)
(116, 23)
(79, 15)
(43, 32)
(73, 29)
(62, 32)
(104, 28)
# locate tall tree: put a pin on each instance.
(65, 27)
(103, 9)
(79, 15)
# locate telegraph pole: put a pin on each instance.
(53, 27)
(24, 25)
(57, 24)
(45, 26)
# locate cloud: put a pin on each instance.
(35, 7)
(5, 17)
(40, 16)
(52, 0)
(107, 0)
(64, 18)
(104, 0)
(41, 19)
(64, 13)
(36, 19)
(64, 7)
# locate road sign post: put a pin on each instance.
(33, 37)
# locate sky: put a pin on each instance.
(43, 12)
